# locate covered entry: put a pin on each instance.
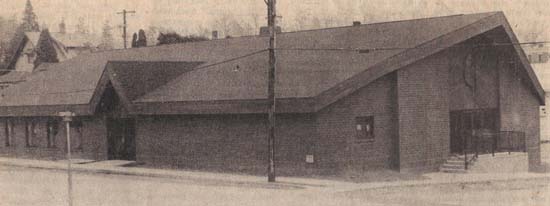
(465, 122)
(121, 138)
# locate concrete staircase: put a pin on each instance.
(454, 164)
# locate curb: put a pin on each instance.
(204, 180)
(436, 183)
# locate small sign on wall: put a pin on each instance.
(309, 159)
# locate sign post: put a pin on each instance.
(67, 118)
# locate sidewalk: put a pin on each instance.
(115, 167)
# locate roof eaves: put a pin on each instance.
(405, 58)
(523, 59)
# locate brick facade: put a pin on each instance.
(339, 144)
(423, 99)
(89, 143)
(231, 142)
(519, 108)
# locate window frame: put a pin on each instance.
(52, 129)
(30, 133)
(9, 133)
(364, 128)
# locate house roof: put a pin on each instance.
(34, 37)
(314, 68)
(13, 77)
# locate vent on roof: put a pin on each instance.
(356, 23)
(264, 30)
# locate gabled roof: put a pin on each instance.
(134, 79)
(231, 76)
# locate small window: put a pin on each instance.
(8, 130)
(30, 133)
(52, 128)
(530, 58)
(77, 125)
(365, 127)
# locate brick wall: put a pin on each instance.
(462, 96)
(92, 143)
(338, 146)
(224, 142)
(422, 93)
(519, 108)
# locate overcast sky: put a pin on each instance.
(186, 16)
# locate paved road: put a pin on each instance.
(513, 193)
(20, 186)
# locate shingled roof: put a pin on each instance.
(315, 68)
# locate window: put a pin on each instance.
(8, 130)
(530, 58)
(365, 127)
(77, 126)
(52, 128)
(30, 133)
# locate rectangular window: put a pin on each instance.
(52, 127)
(365, 127)
(30, 132)
(77, 140)
(8, 131)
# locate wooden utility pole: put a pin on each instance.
(125, 25)
(271, 23)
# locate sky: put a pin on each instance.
(527, 17)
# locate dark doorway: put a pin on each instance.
(121, 139)
(464, 122)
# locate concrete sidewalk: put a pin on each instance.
(116, 167)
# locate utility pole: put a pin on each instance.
(271, 23)
(67, 118)
(125, 25)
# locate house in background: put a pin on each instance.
(539, 57)
(66, 45)
(397, 95)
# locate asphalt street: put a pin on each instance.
(25, 186)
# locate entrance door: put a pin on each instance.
(121, 139)
(464, 122)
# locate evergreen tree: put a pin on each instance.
(45, 51)
(142, 39)
(134, 41)
(29, 19)
(107, 39)
(15, 46)
(175, 38)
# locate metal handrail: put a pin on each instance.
(499, 141)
